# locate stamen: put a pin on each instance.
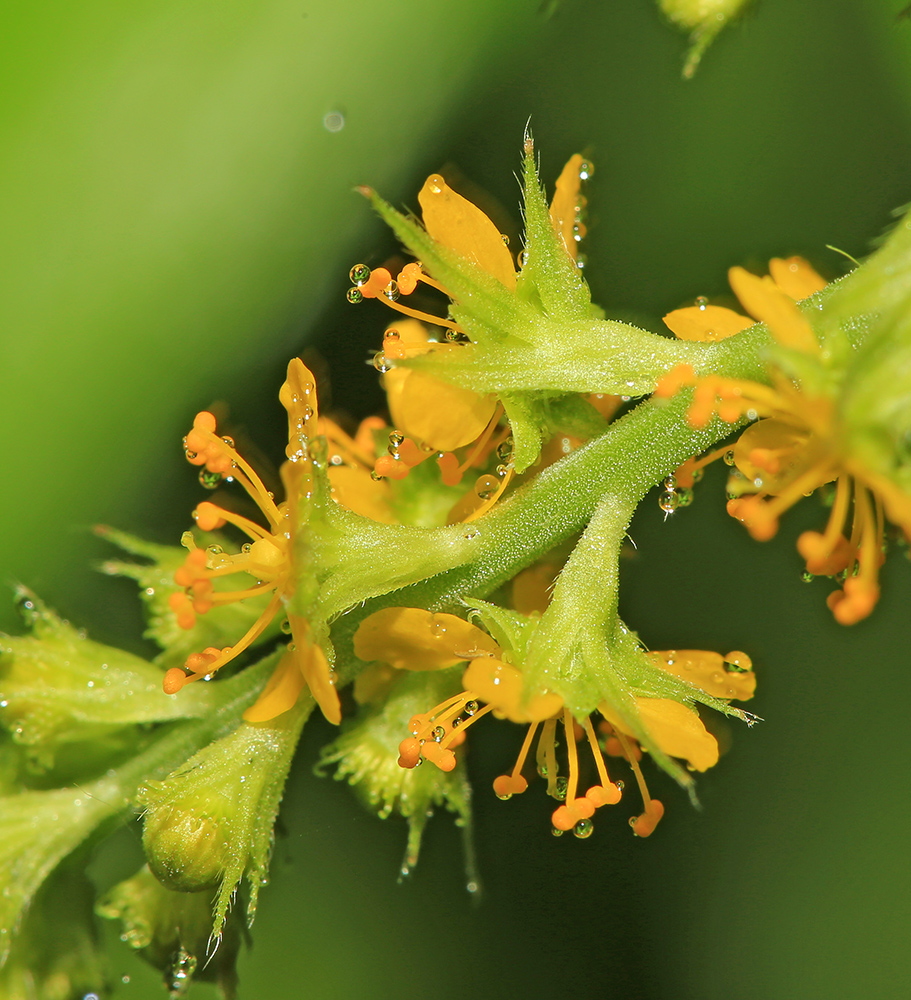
(653, 810)
(507, 785)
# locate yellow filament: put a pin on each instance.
(596, 751)
(526, 746)
(634, 764)
(573, 756)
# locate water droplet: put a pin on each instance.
(560, 786)
(333, 121)
(697, 475)
(181, 971)
(584, 829)
(354, 295)
(556, 832)
(522, 258)
(380, 363)
(286, 626)
(620, 785)
(505, 239)
(471, 707)
(359, 274)
(504, 798)
(214, 550)
(486, 487)
(504, 450)
(729, 457)
(391, 291)
(684, 497)
(668, 501)
(437, 733)
(391, 335)
(435, 184)
(807, 576)
(702, 302)
(586, 169)
(209, 480)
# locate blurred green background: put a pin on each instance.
(178, 220)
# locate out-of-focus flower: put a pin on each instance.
(799, 442)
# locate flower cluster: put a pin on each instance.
(454, 558)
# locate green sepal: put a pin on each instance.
(57, 686)
(210, 822)
(172, 932)
(549, 277)
(366, 754)
(155, 578)
(511, 630)
(40, 828)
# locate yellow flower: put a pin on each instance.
(269, 556)
(797, 443)
(416, 639)
(432, 416)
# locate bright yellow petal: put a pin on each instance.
(707, 671)
(775, 453)
(677, 730)
(502, 686)
(416, 639)
(796, 277)
(762, 298)
(566, 203)
(356, 489)
(312, 662)
(434, 412)
(455, 222)
(708, 323)
(280, 693)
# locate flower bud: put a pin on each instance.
(210, 822)
(185, 841)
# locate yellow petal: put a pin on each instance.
(455, 222)
(566, 203)
(762, 298)
(532, 588)
(707, 671)
(775, 453)
(708, 323)
(795, 277)
(312, 662)
(434, 412)
(502, 686)
(356, 489)
(280, 693)
(677, 730)
(416, 639)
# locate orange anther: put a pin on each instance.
(509, 784)
(390, 468)
(409, 752)
(208, 516)
(673, 381)
(603, 795)
(644, 825)
(408, 278)
(174, 680)
(449, 469)
(374, 285)
(444, 759)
